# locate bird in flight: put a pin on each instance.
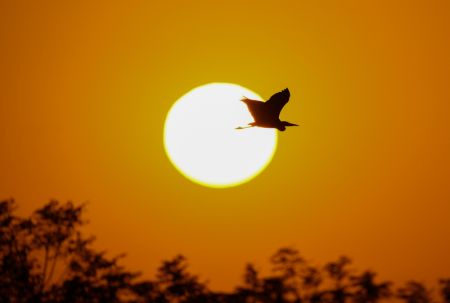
(266, 114)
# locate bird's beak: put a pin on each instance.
(292, 124)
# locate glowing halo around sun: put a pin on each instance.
(201, 141)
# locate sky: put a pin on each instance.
(85, 88)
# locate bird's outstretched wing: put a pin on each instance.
(256, 108)
(278, 101)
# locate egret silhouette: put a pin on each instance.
(266, 114)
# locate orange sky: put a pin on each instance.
(85, 89)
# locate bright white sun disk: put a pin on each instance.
(201, 140)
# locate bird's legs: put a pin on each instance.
(244, 127)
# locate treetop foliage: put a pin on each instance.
(46, 258)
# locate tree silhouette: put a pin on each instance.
(45, 258)
(175, 284)
(16, 265)
(414, 292)
(289, 266)
(312, 279)
(33, 251)
(339, 273)
(445, 289)
(367, 290)
(253, 286)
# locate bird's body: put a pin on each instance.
(266, 114)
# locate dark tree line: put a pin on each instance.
(45, 258)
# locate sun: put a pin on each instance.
(201, 140)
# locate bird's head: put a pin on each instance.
(281, 128)
(283, 124)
